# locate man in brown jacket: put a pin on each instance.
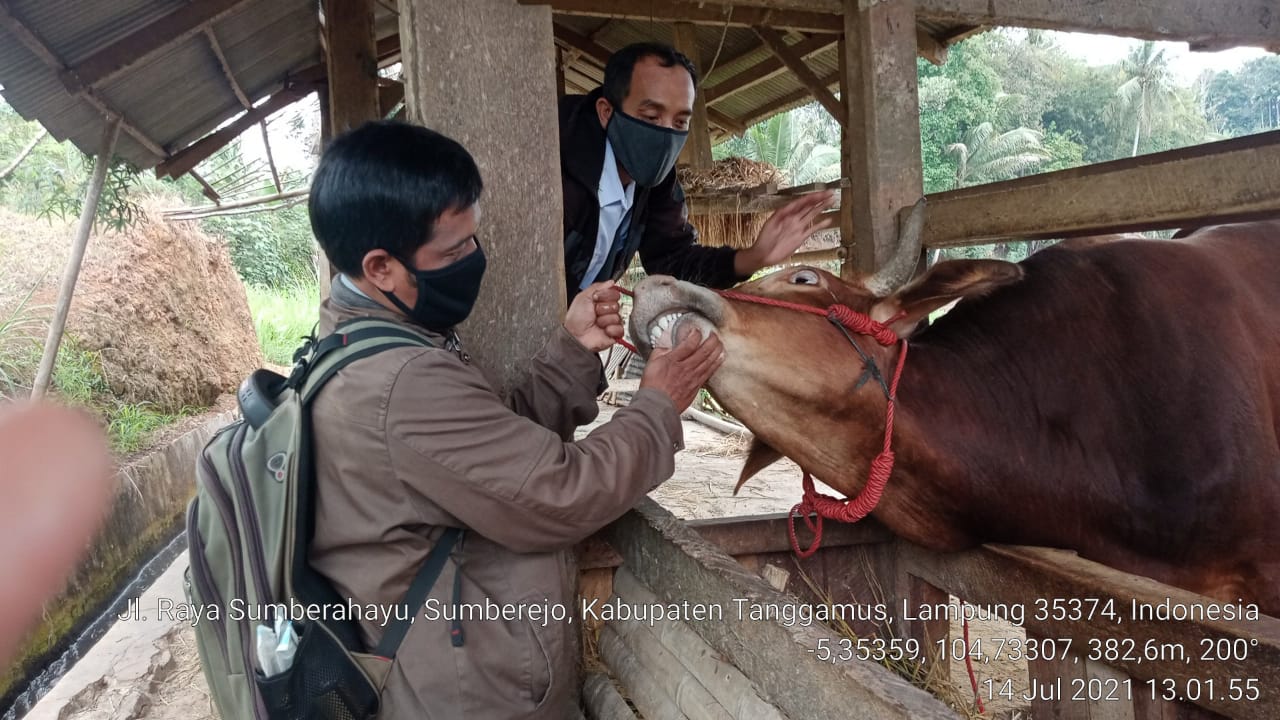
(414, 440)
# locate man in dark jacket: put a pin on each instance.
(618, 150)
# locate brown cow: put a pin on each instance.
(1121, 399)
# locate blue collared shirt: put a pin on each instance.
(615, 204)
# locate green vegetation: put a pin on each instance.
(282, 317)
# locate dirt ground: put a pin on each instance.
(172, 686)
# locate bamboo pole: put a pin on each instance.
(237, 204)
(602, 699)
(23, 155)
(645, 691)
(726, 683)
(72, 273)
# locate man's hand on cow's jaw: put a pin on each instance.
(784, 232)
(594, 318)
(680, 371)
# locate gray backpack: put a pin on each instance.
(248, 530)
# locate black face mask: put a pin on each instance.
(445, 296)
(648, 152)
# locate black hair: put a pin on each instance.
(382, 186)
(617, 72)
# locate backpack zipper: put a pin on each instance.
(257, 556)
(203, 581)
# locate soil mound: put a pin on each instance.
(161, 305)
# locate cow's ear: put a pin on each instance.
(760, 457)
(944, 283)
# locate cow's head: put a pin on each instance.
(793, 378)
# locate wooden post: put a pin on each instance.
(65, 293)
(512, 130)
(352, 63)
(324, 271)
(560, 65)
(697, 151)
(881, 141)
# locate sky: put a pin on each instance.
(1186, 65)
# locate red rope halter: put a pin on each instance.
(825, 506)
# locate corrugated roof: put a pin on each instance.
(173, 97)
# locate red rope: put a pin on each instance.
(968, 664)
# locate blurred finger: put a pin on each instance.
(607, 320)
(615, 331)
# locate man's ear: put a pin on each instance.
(604, 111)
(379, 268)
(944, 283)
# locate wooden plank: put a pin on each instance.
(186, 159)
(724, 121)
(128, 51)
(881, 141)
(746, 202)
(745, 535)
(680, 566)
(523, 297)
(216, 47)
(1026, 578)
(697, 148)
(1224, 22)
(209, 192)
(765, 69)
(1102, 693)
(1050, 682)
(795, 63)
(1226, 181)
(352, 63)
(735, 14)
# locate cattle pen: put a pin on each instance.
(164, 84)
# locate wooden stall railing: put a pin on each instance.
(1099, 644)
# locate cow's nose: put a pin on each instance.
(656, 281)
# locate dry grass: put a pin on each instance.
(930, 676)
(729, 174)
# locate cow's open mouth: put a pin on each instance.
(669, 328)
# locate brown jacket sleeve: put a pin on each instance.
(558, 390)
(454, 444)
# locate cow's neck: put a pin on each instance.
(953, 440)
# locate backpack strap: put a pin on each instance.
(416, 597)
(351, 341)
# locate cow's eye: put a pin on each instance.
(805, 277)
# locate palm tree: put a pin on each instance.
(784, 143)
(987, 156)
(1146, 97)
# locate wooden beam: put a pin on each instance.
(586, 46)
(881, 140)
(679, 565)
(208, 190)
(1225, 22)
(1010, 575)
(735, 14)
(697, 149)
(271, 160)
(795, 63)
(66, 291)
(390, 94)
(560, 66)
(192, 155)
(226, 68)
(247, 203)
(729, 124)
(352, 62)
(142, 43)
(931, 48)
(765, 69)
(1225, 181)
(787, 100)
